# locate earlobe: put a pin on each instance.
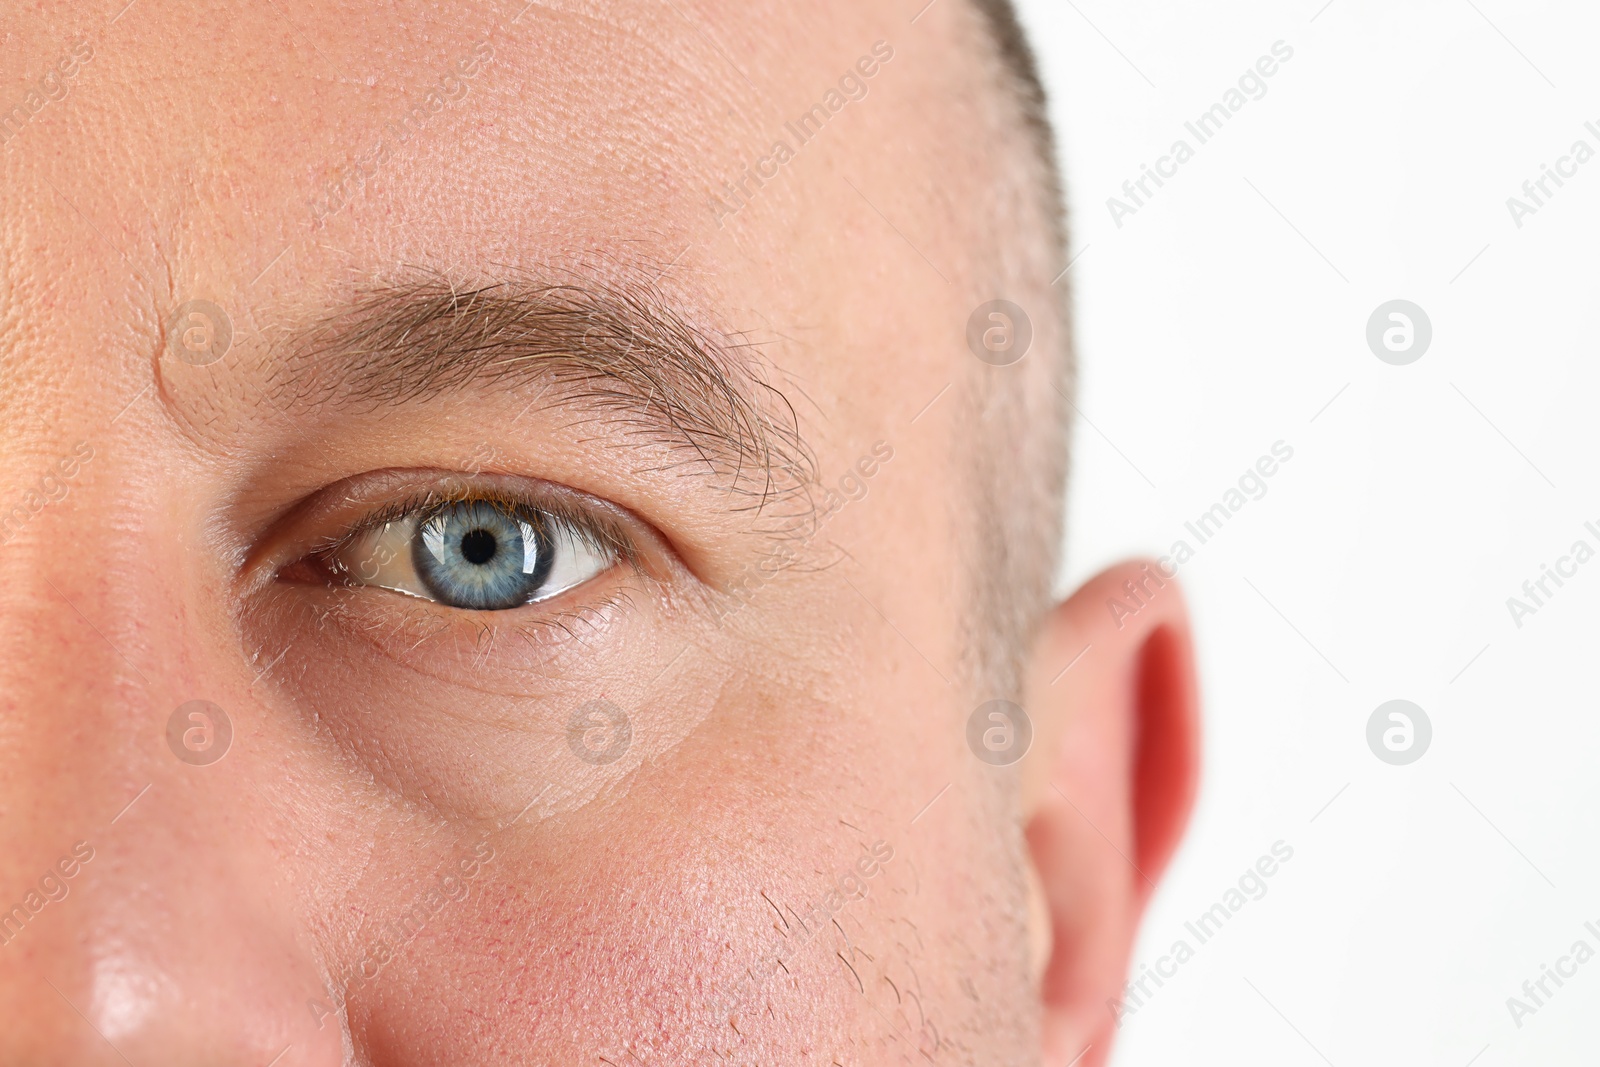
(1107, 786)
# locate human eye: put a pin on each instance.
(472, 548)
(416, 614)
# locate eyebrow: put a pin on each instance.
(619, 349)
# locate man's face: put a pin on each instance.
(416, 680)
(386, 748)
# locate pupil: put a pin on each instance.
(478, 546)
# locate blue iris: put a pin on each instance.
(482, 555)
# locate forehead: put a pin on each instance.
(264, 156)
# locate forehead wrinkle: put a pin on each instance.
(616, 349)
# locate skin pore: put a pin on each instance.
(467, 252)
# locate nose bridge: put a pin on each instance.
(67, 694)
(72, 687)
(141, 919)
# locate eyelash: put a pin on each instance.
(599, 530)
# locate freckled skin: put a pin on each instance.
(402, 859)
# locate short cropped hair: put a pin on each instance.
(1021, 414)
(1022, 70)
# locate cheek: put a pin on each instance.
(650, 921)
(428, 704)
(580, 948)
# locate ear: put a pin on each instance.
(1107, 789)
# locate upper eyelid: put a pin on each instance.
(412, 509)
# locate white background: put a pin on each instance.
(1379, 563)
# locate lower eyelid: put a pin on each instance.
(489, 651)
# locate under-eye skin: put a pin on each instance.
(483, 550)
